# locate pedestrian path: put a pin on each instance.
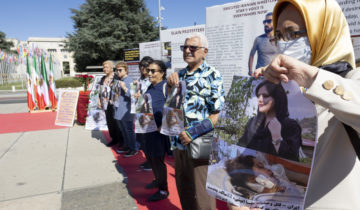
(67, 168)
(70, 168)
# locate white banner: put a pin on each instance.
(231, 30)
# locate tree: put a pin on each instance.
(4, 45)
(104, 28)
(232, 125)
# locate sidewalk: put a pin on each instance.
(68, 168)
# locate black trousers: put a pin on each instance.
(114, 130)
(160, 172)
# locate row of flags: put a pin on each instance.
(22, 52)
(41, 89)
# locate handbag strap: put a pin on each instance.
(354, 138)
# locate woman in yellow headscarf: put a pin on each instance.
(316, 51)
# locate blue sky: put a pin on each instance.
(22, 19)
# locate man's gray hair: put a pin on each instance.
(202, 37)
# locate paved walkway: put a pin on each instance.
(66, 168)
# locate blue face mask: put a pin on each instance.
(298, 48)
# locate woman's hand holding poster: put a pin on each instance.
(263, 145)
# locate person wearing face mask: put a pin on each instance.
(322, 62)
(265, 49)
(271, 130)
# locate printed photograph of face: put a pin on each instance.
(253, 175)
(270, 118)
(176, 97)
(145, 119)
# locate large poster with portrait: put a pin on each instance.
(173, 111)
(263, 145)
(96, 119)
(144, 117)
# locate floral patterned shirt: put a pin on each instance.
(204, 95)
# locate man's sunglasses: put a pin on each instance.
(268, 21)
(191, 48)
(153, 71)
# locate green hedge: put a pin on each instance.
(67, 82)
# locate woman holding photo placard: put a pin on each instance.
(316, 52)
(157, 144)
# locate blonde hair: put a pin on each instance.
(111, 64)
(123, 65)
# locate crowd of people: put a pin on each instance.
(314, 47)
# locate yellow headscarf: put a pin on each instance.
(327, 30)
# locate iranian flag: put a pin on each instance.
(44, 83)
(36, 79)
(52, 86)
(29, 84)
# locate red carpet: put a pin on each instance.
(138, 179)
(21, 122)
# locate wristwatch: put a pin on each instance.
(277, 141)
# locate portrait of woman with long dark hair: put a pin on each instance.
(271, 130)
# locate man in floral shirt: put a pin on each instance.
(204, 98)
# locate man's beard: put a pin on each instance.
(268, 30)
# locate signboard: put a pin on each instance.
(131, 55)
(152, 49)
(66, 107)
(231, 30)
(351, 10)
(171, 40)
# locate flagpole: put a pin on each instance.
(159, 19)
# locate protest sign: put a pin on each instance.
(96, 119)
(263, 145)
(66, 107)
(173, 116)
(144, 118)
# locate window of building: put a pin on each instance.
(51, 50)
(64, 50)
(66, 67)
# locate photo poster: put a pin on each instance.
(115, 92)
(144, 118)
(133, 91)
(231, 30)
(96, 119)
(173, 114)
(171, 40)
(246, 166)
(66, 107)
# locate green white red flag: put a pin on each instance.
(44, 83)
(30, 87)
(36, 79)
(52, 86)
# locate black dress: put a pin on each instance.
(257, 136)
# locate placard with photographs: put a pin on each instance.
(144, 118)
(116, 91)
(133, 91)
(173, 114)
(96, 119)
(263, 145)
